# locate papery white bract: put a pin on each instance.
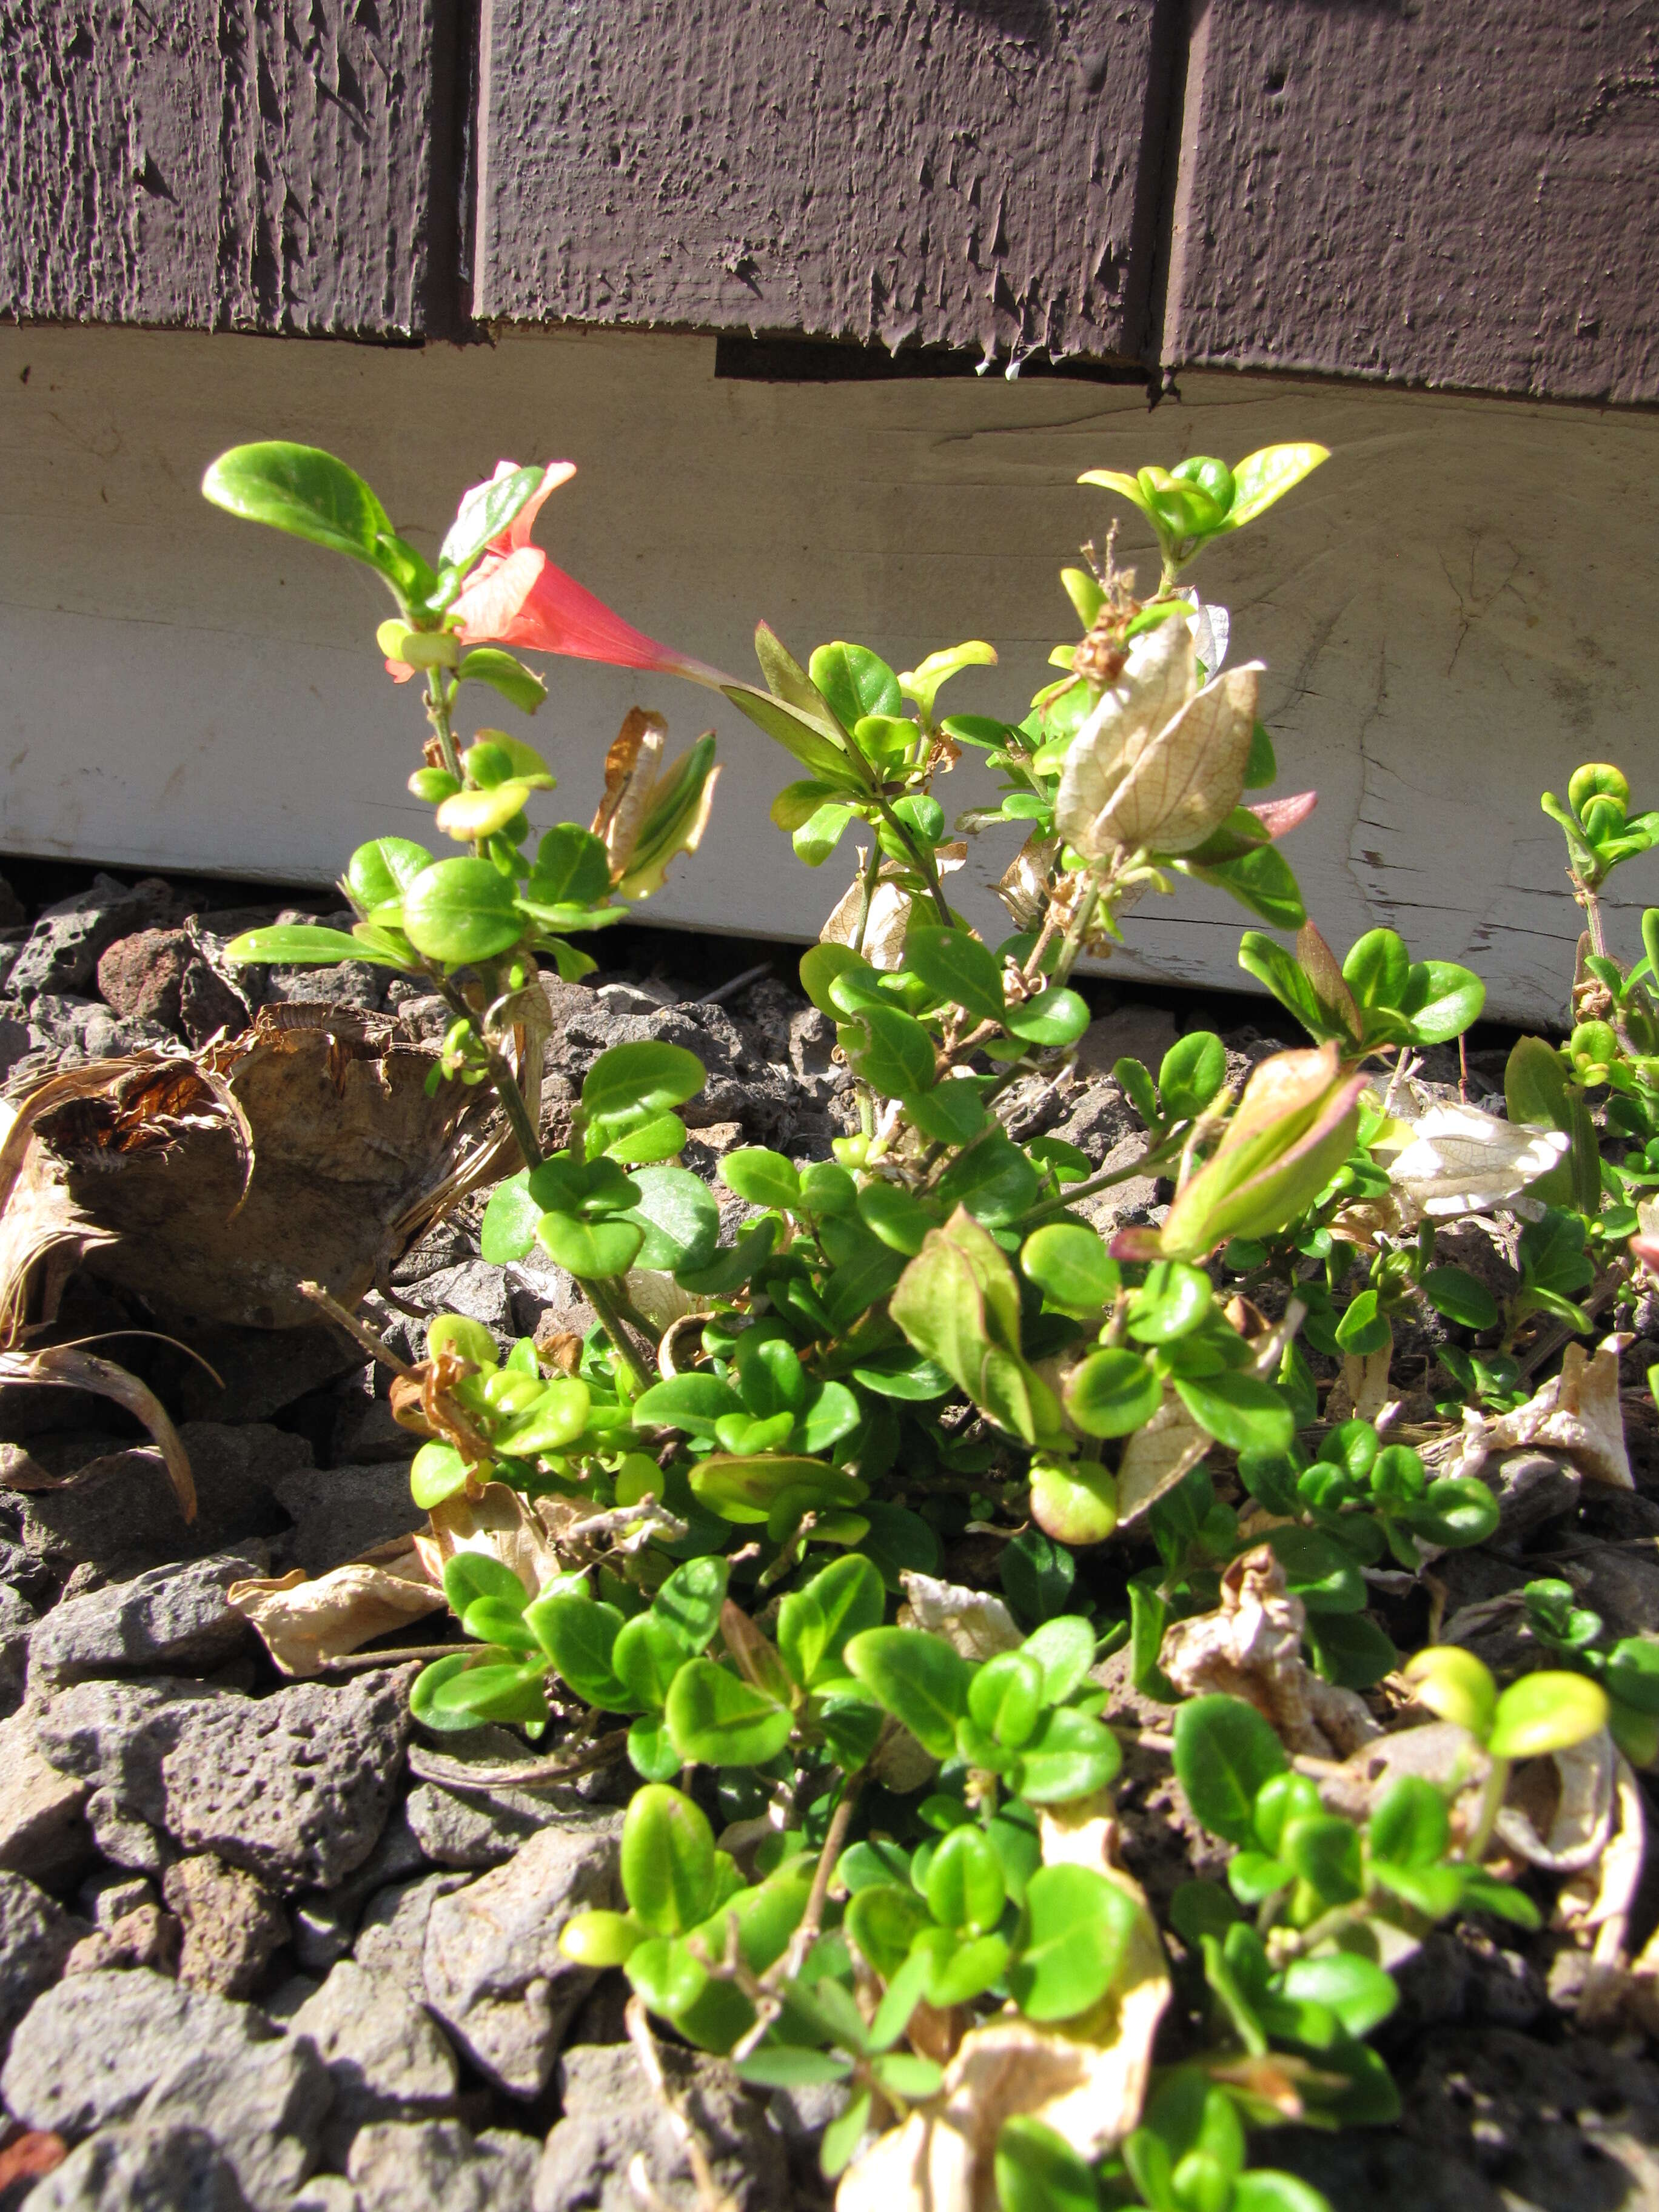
(1461, 1160)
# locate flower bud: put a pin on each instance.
(1293, 1128)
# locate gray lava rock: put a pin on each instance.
(475, 1289)
(326, 2192)
(346, 1510)
(438, 2166)
(495, 1974)
(120, 1513)
(115, 2046)
(43, 1828)
(231, 1924)
(64, 946)
(125, 1840)
(392, 1940)
(295, 1787)
(459, 1828)
(387, 2057)
(76, 1030)
(260, 1371)
(151, 2167)
(610, 2116)
(17, 1623)
(113, 1737)
(112, 1892)
(166, 1619)
(1533, 1487)
(1097, 1119)
(36, 1937)
(145, 1937)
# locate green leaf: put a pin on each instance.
(1262, 477)
(470, 1575)
(810, 741)
(854, 682)
(1037, 1575)
(952, 1113)
(900, 1221)
(1350, 1648)
(644, 1073)
(1072, 1267)
(1064, 1647)
(1324, 1851)
(762, 1177)
(488, 664)
(1277, 971)
(1113, 1393)
(747, 1489)
(1174, 1299)
(1006, 1699)
(1193, 1071)
(436, 1472)
(305, 944)
(1069, 1756)
(648, 1654)
(814, 1624)
(1441, 1002)
(955, 966)
(667, 1861)
(964, 1888)
(1075, 1929)
(1054, 1018)
(579, 1635)
(493, 1692)
(680, 1218)
(1547, 1712)
(460, 911)
(484, 513)
(305, 492)
(791, 2066)
(1321, 1571)
(1224, 1752)
(1038, 2171)
(572, 868)
(917, 1679)
(384, 869)
(719, 1720)
(591, 1250)
(1239, 1410)
(1262, 2190)
(1457, 1293)
(883, 1921)
(889, 1050)
(1409, 1826)
(1633, 1673)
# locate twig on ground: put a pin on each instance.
(710, 2196)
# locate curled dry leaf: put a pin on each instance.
(497, 1523)
(1087, 2082)
(973, 1622)
(1439, 1751)
(890, 910)
(305, 1147)
(1157, 1456)
(1573, 1791)
(69, 1368)
(1251, 1648)
(1577, 1413)
(307, 1620)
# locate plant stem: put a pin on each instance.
(600, 1298)
(923, 859)
(867, 884)
(1149, 1157)
(439, 694)
(1486, 1812)
(812, 1919)
(501, 1076)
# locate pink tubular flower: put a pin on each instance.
(516, 597)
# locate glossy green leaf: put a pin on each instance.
(1069, 1756)
(918, 1679)
(384, 869)
(460, 911)
(305, 944)
(1409, 1826)
(965, 1889)
(1054, 1018)
(1113, 1393)
(1224, 1752)
(761, 1176)
(680, 1218)
(854, 682)
(488, 664)
(957, 966)
(304, 491)
(890, 1051)
(1547, 1712)
(484, 513)
(591, 1249)
(667, 1860)
(1239, 1410)
(646, 1073)
(717, 1719)
(1262, 477)
(1072, 1267)
(1075, 1929)
(579, 1635)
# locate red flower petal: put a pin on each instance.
(521, 599)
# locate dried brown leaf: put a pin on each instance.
(68, 1367)
(305, 1621)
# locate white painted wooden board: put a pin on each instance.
(1454, 612)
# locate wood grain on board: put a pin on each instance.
(261, 165)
